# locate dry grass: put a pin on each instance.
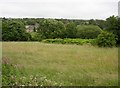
(66, 64)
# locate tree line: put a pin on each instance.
(14, 29)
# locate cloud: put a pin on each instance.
(81, 9)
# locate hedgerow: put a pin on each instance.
(71, 41)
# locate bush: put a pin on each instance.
(59, 41)
(71, 41)
(106, 39)
(35, 36)
(10, 72)
(80, 41)
(87, 31)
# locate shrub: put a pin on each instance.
(71, 41)
(80, 41)
(53, 41)
(10, 72)
(106, 39)
(88, 31)
(36, 36)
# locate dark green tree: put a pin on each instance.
(88, 31)
(71, 30)
(113, 25)
(14, 31)
(92, 22)
(50, 28)
(106, 39)
(101, 24)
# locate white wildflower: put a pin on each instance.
(41, 85)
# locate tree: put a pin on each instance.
(88, 31)
(113, 25)
(71, 30)
(14, 31)
(118, 30)
(92, 22)
(101, 24)
(50, 28)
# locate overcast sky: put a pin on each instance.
(73, 9)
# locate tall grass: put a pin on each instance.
(65, 65)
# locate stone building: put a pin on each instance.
(32, 28)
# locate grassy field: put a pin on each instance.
(66, 65)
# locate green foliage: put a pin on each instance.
(58, 41)
(106, 39)
(71, 41)
(101, 24)
(26, 37)
(88, 31)
(12, 76)
(16, 75)
(113, 25)
(92, 22)
(118, 30)
(50, 28)
(35, 36)
(71, 30)
(10, 72)
(14, 31)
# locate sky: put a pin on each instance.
(66, 9)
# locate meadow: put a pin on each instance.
(64, 65)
